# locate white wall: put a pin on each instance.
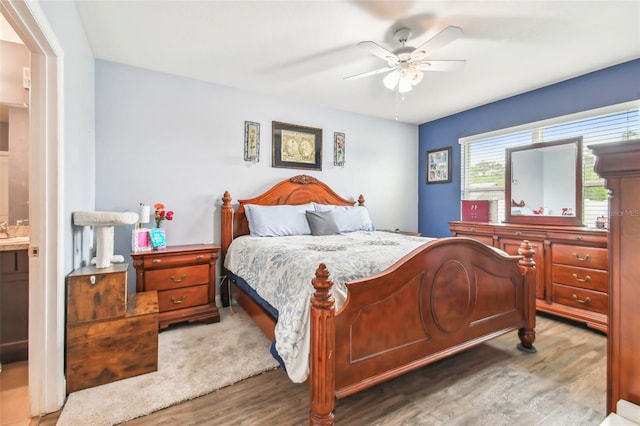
(77, 162)
(162, 138)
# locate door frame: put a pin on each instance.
(46, 260)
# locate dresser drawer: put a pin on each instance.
(586, 257)
(590, 237)
(169, 278)
(521, 234)
(591, 279)
(580, 298)
(163, 259)
(169, 300)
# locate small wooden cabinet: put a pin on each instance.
(184, 277)
(110, 336)
(571, 265)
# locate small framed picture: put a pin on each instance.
(140, 241)
(296, 147)
(439, 165)
(251, 141)
(338, 149)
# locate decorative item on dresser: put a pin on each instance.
(619, 164)
(480, 210)
(110, 336)
(571, 263)
(184, 277)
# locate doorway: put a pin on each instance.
(46, 275)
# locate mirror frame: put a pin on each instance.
(541, 219)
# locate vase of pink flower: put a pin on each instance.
(161, 214)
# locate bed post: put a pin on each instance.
(226, 235)
(322, 362)
(527, 266)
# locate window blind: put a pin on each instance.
(483, 156)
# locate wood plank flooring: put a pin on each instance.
(492, 384)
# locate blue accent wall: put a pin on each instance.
(440, 203)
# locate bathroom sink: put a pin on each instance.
(14, 243)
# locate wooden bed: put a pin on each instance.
(447, 296)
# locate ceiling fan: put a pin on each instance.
(405, 64)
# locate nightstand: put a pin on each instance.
(184, 277)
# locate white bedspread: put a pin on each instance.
(280, 269)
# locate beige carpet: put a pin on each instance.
(192, 360)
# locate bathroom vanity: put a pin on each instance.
(14, 300)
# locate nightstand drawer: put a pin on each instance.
(187, 276)
(181, 298)
(586, 257)
(163, 259)
(581, 298)
(592, 279)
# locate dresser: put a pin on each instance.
(571, 265)
(619, 164)
(184, 277)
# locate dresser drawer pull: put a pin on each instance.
(582, 280)
(178, 280)
(200, 256)
(518, 233)
(583, 301)
(579, 238)
(583, 259)
(177, 302)
(157, 260)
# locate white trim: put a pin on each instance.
(610, 109)
(46, 272)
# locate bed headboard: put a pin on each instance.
(300, 189)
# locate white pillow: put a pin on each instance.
(277, 221)
(348, 218)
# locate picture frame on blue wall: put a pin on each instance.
(438, 167)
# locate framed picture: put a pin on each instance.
(297, 147)
(251, 141)
(439, 165)
(338, 149)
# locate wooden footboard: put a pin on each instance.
(443, 298)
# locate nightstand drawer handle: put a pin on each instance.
(583, 259)
(157, 260)
(582, 280)
(178, 280)
(177, 302)
(200, 257)
(583, 301)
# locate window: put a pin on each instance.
(483, 156)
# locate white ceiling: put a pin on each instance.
(302, 50)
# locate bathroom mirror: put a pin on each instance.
(544, 183)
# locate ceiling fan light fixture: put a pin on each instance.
(391, 80)
(415, 76)
(404, 85)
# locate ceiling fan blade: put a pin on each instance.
(436, 42)
(369, 73)
(428, 65)
(379, 51)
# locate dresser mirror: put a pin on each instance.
(544, 183)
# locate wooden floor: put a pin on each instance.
(492, 384)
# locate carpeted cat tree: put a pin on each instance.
(104, 222)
